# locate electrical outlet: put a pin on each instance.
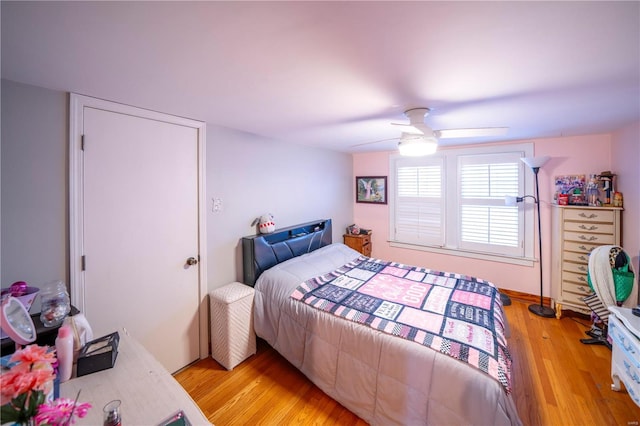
(217, 205)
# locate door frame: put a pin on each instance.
(77, 103)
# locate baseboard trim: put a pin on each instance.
(526, 297)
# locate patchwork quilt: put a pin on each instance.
(458, 315)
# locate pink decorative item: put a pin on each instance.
(26, 299)
(21, 291)
(19, 288)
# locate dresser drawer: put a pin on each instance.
(574, 277)
(589, 215)
(576, 298)
(623, 339)
(575, 288)
(579, 247)
(578, 268)
(583, 227)
(582, 258)
(598, 239)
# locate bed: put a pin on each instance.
(382, 378)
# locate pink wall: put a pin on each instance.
(569, 155)
(625, 154)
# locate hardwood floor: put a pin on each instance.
(557, 381)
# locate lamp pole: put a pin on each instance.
(540, 310)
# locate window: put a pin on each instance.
(419, 207)
(454, 200)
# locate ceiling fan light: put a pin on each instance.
(417, 146)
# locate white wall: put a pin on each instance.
(34, 185)
(251, 176)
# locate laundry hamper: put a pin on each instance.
(232, 336)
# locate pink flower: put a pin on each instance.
(33, 354)
(15, 383)
(24, 386)
(32, 371)
(61, 411)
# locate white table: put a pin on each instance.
(149, 394)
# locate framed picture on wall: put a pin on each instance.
(371, 189)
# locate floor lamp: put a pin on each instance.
(535, 163)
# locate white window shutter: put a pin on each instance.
(486, 224)
(419, 203)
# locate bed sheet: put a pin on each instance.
(383, 379)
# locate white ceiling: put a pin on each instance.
(335, 74)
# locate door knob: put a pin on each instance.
(192, 261)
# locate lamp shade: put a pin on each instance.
(415, 145)
(535, 162)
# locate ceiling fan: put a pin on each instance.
(417, 138)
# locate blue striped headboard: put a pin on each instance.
(261, 252)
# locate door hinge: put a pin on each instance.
(84, 262)
(82, 143)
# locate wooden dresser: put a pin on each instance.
(361, 243)
(576, 231)
(624, 332)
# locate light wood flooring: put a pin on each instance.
(557, 381)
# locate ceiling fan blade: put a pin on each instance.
(470, 133)
(409, 128)
(374, 142)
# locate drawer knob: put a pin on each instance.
(581, 278)
(591, 238)
(591, 216)
(589, 228)
(623, 343)
(582, 258)
(582, 268)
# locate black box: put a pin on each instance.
(98, 354)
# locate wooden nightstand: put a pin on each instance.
(361, 243)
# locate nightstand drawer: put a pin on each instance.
(359, 242)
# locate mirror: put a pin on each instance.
(16, 321)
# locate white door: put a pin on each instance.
(140, 225)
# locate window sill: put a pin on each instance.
(522, 261)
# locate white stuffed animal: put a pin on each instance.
(265, 223)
